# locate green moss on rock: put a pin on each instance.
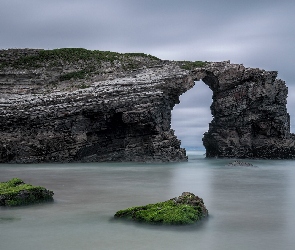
(191, 65)
(75, 56)
(185, 209)
(15, 192)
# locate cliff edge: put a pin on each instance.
(73, 105)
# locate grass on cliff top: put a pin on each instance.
(191, 65)
(15, 192)
(74, 55)
(80, 63)
(83, 62)
(167, 212)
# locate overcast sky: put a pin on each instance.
(257, 33)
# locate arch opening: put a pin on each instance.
(191, 117)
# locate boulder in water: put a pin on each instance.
(185, 209)
(15, 192)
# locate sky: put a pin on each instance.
(256, 33)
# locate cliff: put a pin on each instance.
(250, 114)
(72, 105)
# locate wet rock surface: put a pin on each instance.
(240, 164)
(119, 109)
(184, 209)
(250, 114)
(16, 193)
(192, 200)
(125, 116)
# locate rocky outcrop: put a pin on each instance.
(184, 209)
(124, 116)
(73, 105)
(240, 164)
(15, 193)
(250, 114)
(188, 198)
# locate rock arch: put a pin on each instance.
(191, 117)
(250, 114)
(125, 115)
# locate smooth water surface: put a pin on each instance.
(249, 207)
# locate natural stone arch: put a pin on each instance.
(250, 118)
(125, 115)
(191, 117)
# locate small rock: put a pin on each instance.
(240, 164)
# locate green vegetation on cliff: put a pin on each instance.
(74, 63)
(191, 65)
(78, 63)
(75, 55)
(59, 57)
(39, 71)
(186, 209)
(15, 192)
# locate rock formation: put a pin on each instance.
(250, 114)
(16, 193)
(240, 164)
(72, 105)
(120, 111)
(184, 209)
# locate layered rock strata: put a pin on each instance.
(119, 108)
(124, 118)
(250, 118)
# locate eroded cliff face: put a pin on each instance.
(123, 116)
(250, 115)
(117, 107)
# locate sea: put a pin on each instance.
(250, 207)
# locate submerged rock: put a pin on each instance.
(185, 209)
(240, 164)
(15, 192)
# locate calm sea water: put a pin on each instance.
(249, 207)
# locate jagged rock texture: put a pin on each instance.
(250, 114)
(124, 118)
(184, 209)
(122, 114)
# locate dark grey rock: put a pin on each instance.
(250, 114)
(240, 164)
(192, 200)
(115, 114)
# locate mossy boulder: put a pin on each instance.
(15, 193)
(185, 209)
